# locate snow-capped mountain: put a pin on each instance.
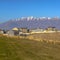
(31, 22)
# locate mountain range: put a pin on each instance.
(31, 22)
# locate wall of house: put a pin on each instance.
(1, 32)
(10, 33)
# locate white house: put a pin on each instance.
(1, 31)
(10, 33)
(13, 32)
(39, 30)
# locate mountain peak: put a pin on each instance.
(31, 22)
(35, 18)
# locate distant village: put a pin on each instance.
(24, 31)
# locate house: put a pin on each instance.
(38, 30)
(18, 31)
(50, 29)
(13, 32)
(1, 31)
(24, 30)
(10, 33)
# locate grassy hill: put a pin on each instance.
(12, 48)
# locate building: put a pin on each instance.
(18, 31)
(24, 30)
(50, 30)
(13, 32)
(38, 30)
(10, 33)
(1, 31)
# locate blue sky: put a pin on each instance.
(11, 9)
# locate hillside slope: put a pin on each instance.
(30, 24)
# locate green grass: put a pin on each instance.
(25, 49)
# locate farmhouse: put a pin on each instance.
(38, 30)
(50, 30)
(24, 31)
(13, 32)
(1, 31)
(18, 31)
(10, 33)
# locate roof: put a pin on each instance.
(51, 27)
(16, 29)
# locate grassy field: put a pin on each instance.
(24, 49)
(46, 36)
